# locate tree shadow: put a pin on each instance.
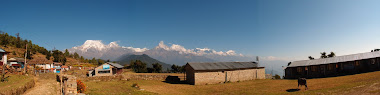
(292, 90)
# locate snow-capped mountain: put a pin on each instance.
(174, 54)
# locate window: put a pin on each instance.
(108, 71)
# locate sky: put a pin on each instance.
(275, 29)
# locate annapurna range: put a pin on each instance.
(174, 54)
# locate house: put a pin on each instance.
(335, 66)
(65, 68)
(42, 64)
(222, 72)
(16, 62)
(3, 57)
(107, 69)
(57, 67)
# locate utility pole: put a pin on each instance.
(26, 54)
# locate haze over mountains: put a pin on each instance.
(174, 54)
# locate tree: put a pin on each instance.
(28, 55)
(277, 77)
(323, 55)
(138, 66)
(66, 53)
(48, 55)
(177, 69)
(94, 61)
(157, 68)
(332, 54)
(59, 57)
(311, 58)
(76, 55)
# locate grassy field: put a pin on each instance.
(14, 81)
(114, 88)
(366, 83)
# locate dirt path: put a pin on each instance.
(45, 85)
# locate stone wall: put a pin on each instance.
(127, 77)
(202, 78)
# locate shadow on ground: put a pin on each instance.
(292, 90)
(174, 80)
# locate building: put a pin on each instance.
(107, 69)
(3, 57)
(335, 66)
(222, 72)
(41, 64)
(16, 62)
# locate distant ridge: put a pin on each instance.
(126, 59)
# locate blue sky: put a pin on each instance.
(285, 29)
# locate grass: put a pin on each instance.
(14, 81)
(366, 83)
(360, 83)
(113, 88)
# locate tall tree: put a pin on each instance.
(76, 55)
(66, 53)
(157, 68)
(332, 54)
(311, 58)
(323, 55)
(138, 66)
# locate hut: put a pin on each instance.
(3, 57)
(335, 66)
(17, 63)
(107, 69)
(222, 72)
(41, 64)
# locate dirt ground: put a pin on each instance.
(46, 84)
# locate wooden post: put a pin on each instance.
(26, 54)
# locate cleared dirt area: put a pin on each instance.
(46, 84)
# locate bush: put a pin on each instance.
(81, 87)
(135, 85)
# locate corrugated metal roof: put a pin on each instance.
(222, 65)
(2, 50)
(115, 65)
(336, 59)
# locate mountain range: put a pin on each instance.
(174, 54)
(167, 55)
(127, 58)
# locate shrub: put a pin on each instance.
(81, 87)
(135, 85)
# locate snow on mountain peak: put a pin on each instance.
(97, 44)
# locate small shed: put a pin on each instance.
(16, 62)
(222, 72)
(108, 69)
(3, 57)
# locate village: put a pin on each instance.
(189, 47)
(84, 78)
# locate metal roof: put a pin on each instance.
(212, 66)
(115, 65)
(336, 59)
(2, 50)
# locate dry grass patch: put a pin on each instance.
(334, 85)
(14, 81)
(113, 88)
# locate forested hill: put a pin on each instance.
(17, 48)
(127, 58)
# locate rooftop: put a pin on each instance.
(115, 65)
(344, 58)
(220, 66)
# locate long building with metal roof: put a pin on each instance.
(335, 66)
(221, 72)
